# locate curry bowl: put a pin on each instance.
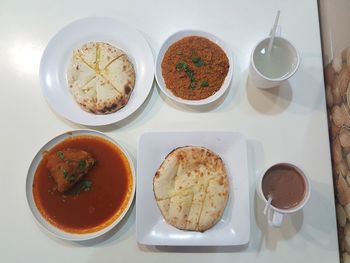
(195, 62)
(98, 196)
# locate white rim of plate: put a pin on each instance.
(40, 220)
(185, 33)
(50, 79)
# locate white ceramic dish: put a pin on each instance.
(54, 62)
(234, 226)
(171, 40)
(29, 188)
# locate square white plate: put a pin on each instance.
(234, 226)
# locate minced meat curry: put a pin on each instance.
(194, 68)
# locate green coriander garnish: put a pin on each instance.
(193, 83)
(182, 66)
(179, 66)
(204, 83)
(189, 73)
(69, 178)
(200, 63)
(60, 154)
(86, 185)
(197, 60)
(82, 164)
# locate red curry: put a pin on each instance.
(86, 211)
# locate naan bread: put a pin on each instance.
(87, 53)
(191, 188)
(101, 77)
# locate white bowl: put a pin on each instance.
(29, 188)
(177, 36)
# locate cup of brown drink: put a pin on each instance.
(288, 189)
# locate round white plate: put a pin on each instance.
(56, 57)
(177, 36)
(29, 188)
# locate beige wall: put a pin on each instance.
(335, 27)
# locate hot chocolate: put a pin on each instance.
(285, 185)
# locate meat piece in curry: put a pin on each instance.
(68, 166)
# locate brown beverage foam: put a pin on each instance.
(285, 185)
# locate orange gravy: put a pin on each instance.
(93, 210)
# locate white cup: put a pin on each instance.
(275, 215)
(282, 64)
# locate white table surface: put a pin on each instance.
(286, 124)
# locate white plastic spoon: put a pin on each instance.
(268, 204)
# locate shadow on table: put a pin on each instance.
(271, 236)
(320, 220)
(293, 223)
(313, 225)
(151, 105)
(221, 103)
(261, 233)
(269, 101)
(305, 90)
(142, 114)
(308, 86)
(192, 249)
